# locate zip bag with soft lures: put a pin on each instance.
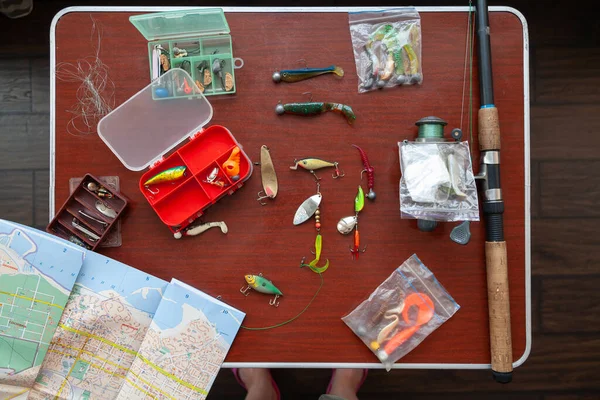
(387, 47)
(406, 308)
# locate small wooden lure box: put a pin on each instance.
(83, 208)
(146, 134)
(193, 40)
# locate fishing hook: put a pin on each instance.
(245, 290)
(274, 302)
(151, 191)
(262, 197)
(356, 251)
(337, 172)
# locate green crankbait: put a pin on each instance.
(316, 108)
(262, 285)
(296, 75)
(169, 175)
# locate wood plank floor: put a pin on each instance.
(565, 154)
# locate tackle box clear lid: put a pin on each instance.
(181, 23)
(145, 128)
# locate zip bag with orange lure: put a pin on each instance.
(406, 308)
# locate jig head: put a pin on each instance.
(268, 176)
(261, 285)
(316, 108)
(296, 75)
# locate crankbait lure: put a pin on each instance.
(169, 175)
(368, 168)
(316, 108)
(312, 164)
(261, 285)
(268, 176)
(232, 165)
(296, 75)
(198, 229)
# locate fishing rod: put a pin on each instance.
(493, 208)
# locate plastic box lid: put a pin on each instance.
(144, 128)
(181, 24)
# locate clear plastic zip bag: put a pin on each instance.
(437, 182)
(406, 308)
(387, 47)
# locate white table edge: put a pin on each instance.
(518, 14)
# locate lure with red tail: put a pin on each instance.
(368, 168)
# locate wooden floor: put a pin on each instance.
(565, 154)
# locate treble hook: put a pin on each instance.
(337, 172)
(274, 302)
(245, 291)
(356, 251)
(150, 190)
(262, 197)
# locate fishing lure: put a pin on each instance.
(316, 108)
(198, 229)
(384, 31)
(105, 209)
(169, 175)
(387, 72)
(90, 235)
(217, 69)
(261, 285)
(309, 208)
(392, 314)
(296, 75)
(368, 168)
(213, 178)
(413, 61)
(373, 66)
(268, 176)
(312, 164)
(232, 165)
(348, 224)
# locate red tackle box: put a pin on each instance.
(141, 131)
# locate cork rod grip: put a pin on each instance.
(489, 129)
(499, 307)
